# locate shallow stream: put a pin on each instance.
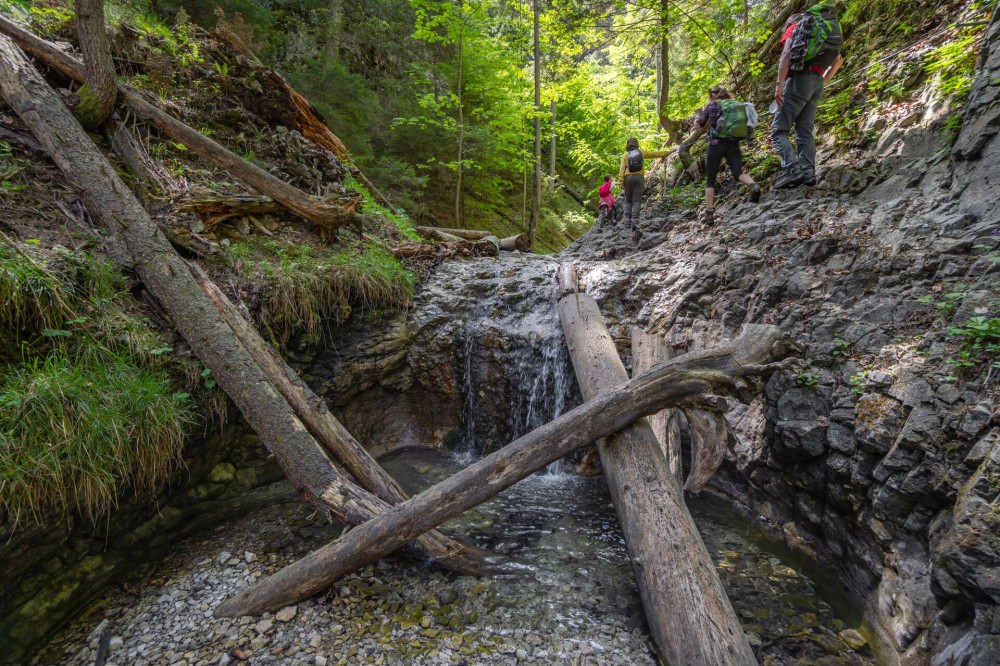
(576, 604)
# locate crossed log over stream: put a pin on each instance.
(690, 617)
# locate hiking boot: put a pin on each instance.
(790, 177)
(708, 217)
(754, 192)
(808, 178)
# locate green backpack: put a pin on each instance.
(825, 39)
(736, 118)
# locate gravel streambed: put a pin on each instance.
(577, 603)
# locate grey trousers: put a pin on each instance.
(802, 93)
(634, 184)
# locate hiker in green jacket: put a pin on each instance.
(632, 177)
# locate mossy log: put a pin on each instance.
(134, 239)
(667, 385)
(97, 96)
(690, 618)
(325, 215)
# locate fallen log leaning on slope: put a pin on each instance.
(328, 217)
(135, 239)
(690, 618)
(667, 385)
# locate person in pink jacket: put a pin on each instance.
(606, 203)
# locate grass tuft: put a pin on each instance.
(305, 288)
(75, 428)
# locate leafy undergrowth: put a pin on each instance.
(91, 401)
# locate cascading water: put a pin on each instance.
(513, 370)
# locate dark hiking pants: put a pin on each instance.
(634, 184)
(802, 92)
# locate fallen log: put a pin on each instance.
(214, 208)
(488, 246)
(576, 196)
(316, 416)
(520, 243)
(690, 618)
(468, 234)
(667, 385)
(440, 235)
(328, 217)
(649, 351)
(137, 241)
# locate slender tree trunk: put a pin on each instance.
(333, 31)
(536, 203)
(552, 145)
(690, 618)
(97, 96)
(139, 243)
(461, 122)
(668, 125)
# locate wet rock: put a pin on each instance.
(853, 638)
(286, 614)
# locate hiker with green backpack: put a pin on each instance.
(809, 59)
(729, 121)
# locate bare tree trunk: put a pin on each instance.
(333, 31)
(98, 94)
(649, 351)
(536, 203)
(552, 145)
(668, 125)
(137, 241)
(672, 566)
(665, 386)
(461, 123)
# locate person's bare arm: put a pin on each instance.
(621, 171)
(834, 68)
(783, 63)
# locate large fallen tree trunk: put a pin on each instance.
(649, 351)
(328, 217)
(136, 240)
(667, 385)
(690, 618)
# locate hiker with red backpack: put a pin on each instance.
(729, 121)
(632, 177)
(809, 59)
(606, 203)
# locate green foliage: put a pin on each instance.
(955, 63)
(858, 381)
(841, 347)
(89, 400)
(79, 425)
(807, 378)
(948, 304)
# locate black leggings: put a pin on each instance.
(729, 149)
